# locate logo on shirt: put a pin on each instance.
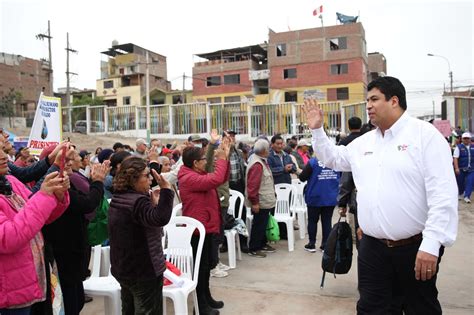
(368, 153)
(402, 147)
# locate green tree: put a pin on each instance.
(8, 103)
(87, 100)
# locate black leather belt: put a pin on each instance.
(406, 241)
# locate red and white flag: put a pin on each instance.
(318, 11)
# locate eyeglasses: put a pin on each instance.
(31, 161)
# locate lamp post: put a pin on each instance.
(449, 68)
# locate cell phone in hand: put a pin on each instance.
(62, 163)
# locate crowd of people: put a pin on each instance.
(48, 203)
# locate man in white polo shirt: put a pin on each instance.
(407, 200)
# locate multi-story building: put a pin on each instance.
(123, 76)
(75, 94)
(377, 65)
(329, 63)
(29, 77)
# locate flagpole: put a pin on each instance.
(321, 18)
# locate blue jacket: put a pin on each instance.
(280, 175)
(463, 161)
(323, 184)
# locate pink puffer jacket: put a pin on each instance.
(18, 279)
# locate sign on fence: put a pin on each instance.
(47, 126)
(444, 126)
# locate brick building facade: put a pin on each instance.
(27, 76)
(329, 62)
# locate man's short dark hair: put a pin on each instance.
(117, 145)
(276, 137)
(191, 154)
(390, 86)
(354, 123)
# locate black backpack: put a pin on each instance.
(337, 256)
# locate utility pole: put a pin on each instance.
(49, 37)
(147, 88)
(183, 94)
(68, 92)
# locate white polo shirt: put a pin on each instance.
(405, 181)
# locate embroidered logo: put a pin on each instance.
(402, 147)
(368, 153)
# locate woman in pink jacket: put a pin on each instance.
(201, 202)
(22, 268)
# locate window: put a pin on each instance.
(214, 100)
(232, 79)
(338, 94)
(340, 68)
(289, 73)
(177, 99)
(231, 99)
(281, 50)
(213, 81)
(291, 97)
(126, 100)
(338, 43)
(342, 94)
(108, 84)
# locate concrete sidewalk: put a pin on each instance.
(288, 283)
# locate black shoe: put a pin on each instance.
(310, 248)
(257, 254)
(213, 303)
(223, 249)
(268, 249)
(87, 298)
(207, 310)
(244, 250)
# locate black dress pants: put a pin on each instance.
(387, 283)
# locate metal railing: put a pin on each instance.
(180, 120)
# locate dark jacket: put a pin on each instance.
(30, 173)
(280, 175)
(349, 138)
(135, 231)
(68, 235)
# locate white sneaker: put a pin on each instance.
(222, 267)
(217, 273)
(467, 200)
(460, 197)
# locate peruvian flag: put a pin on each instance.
(318, 11)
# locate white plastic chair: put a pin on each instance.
(283, 213)
(106, 286)
(177, 209)
(232, 237)
(179, 252)
(298, 206)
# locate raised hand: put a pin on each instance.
(152, 154)
(162, 182)
(214, 136)
(314, 114)
(99, 171)
(53, 184)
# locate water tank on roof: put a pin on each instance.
(115, 42)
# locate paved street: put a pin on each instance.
(288, 283)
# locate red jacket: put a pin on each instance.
(199, 195)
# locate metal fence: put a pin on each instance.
(248, 120)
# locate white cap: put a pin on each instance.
(466, 135)
(304, 142)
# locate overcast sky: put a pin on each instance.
(404, 31)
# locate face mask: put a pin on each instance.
(198, 145)
(158, 150)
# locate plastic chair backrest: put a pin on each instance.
(178, 233)
(284, 194)
(298, 200)
(235, 195)
(96, 252)
(176, 209)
